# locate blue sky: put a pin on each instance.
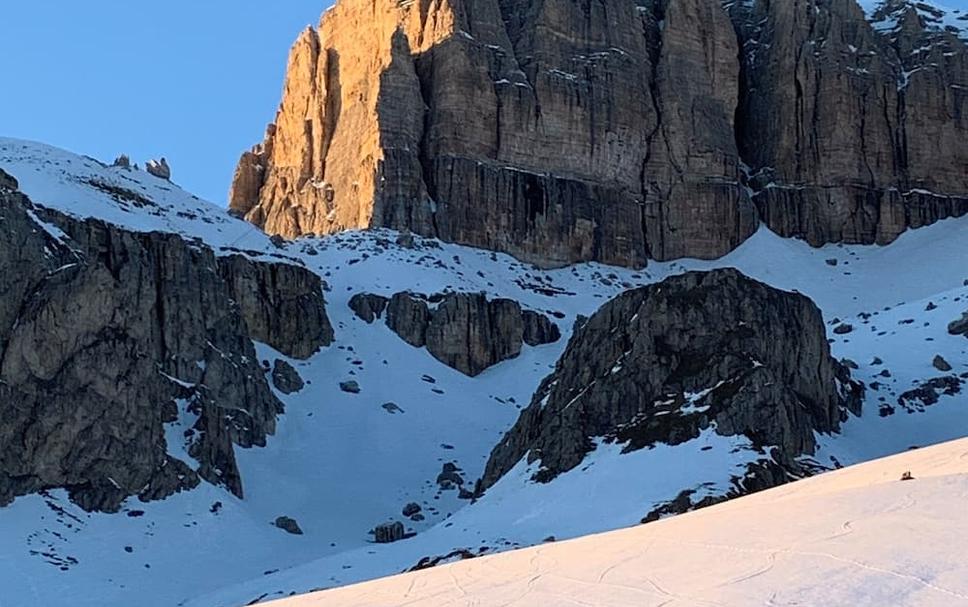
(193, 80)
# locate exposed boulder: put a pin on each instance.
(661, 363)
(941, 364)
(465, 331)
(127, 332)
(122, 162)
(449, 477)
(282, 304)
(285, 377)
(960, 326)
(159, 168)
(387, 533)
(289, 525)
(350, 387)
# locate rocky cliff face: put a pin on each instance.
(661, 363)
(126, 367)
(608, 130)
(853, 132)
(465, 331)
(555, 131)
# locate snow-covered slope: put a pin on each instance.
(858, 536)
(342, 463)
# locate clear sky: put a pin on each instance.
(193, 80)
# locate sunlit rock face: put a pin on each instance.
(615, 130)
(557, 132)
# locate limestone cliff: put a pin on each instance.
(465, 331)
(614, 130)
(126, 367)
(555, 131)
(853, 133)
(662, 363)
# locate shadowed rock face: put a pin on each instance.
(661, 363)
(282, 304)
(465, 331)
(851, 134)
(107, 336)
(608, 130)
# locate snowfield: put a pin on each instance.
(342, 463)
(859, 536)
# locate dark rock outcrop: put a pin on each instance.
(661, 363)
(465, 331)
(107, 336)
(289, 525)
(159, 168)
(387, 533)
(7, 181)
(282, 304)
(368, 307)
(285, 377)
(960, 326)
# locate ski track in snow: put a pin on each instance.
(340, 463)
(773, 548)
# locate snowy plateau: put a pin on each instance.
(341, 463)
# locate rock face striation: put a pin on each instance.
(465, 331)
(126, 366)
(660, 364)
(854, 131)
(615, 130)
(555, 131)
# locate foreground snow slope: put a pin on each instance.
(858, 536)
(340, 463)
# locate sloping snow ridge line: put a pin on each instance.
(343, 463)
(858, 536)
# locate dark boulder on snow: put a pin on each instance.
(465, 331)
(941, 364)
(449, 477)
(351, 386)
(662, 363)
(106, 336)
(843, 329)
(387, 533)
(289, 525)
(960, 326)
(285, 377)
